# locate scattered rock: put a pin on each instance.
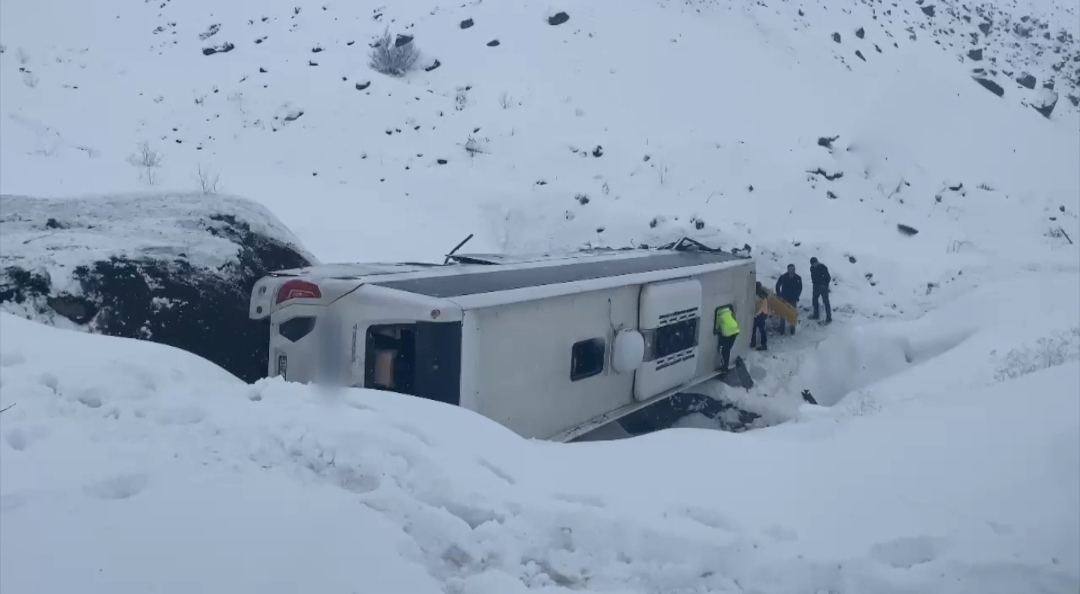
(1045, 102)
(262, 70)
(860, 33)
(316, 49)
(928, 10)
(991, 86)
(219, 49)
(55, 224)
(401, 40)
(441, 161)
(957, 187)
(433, 66)
(851, 259)
(832, 177)
(859, 54)
(466, 23)
(157, 293)
(292, 116)
(877, 48)
(311, 63)
(831, 195)
(906, 229)
(836, 37)
(558, 18)
(1026, 80)
(985, 28)
(363, 85)
(827, 141)
(493, 43)
(598, 151)
(582, 198)
(975, 54)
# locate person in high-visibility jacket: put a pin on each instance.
(727, 328)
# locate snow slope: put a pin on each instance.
(131, 467)
(944, 457)
(708, 117)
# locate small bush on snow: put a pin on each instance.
(147, 161)
(207, 179)
(1049, 351)
(393, 57)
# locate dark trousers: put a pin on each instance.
(726, 342)
(758, 332)
(783, 322)
(823, 294)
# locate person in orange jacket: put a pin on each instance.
(761, 315)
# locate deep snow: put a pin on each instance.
(945, 456)
(133, 467)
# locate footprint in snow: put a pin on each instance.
(121, 486)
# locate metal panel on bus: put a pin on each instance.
(669, 317)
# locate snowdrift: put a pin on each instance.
(129, 466)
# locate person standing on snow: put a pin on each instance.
(789, 288)
(819, 277)
(727, 328)
(762, 314)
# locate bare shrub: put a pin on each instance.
(393, 57)
(30, 80)
(207, 179)
(23, 57)
(1049, 351)
(505, 100)
(461, 98)
(147, 161)
(473, 146)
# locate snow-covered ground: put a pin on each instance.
(945, 455)
(133, 467)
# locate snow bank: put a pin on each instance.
(129, 466)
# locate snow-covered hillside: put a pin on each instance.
(628, 123)
(909, 146)
(133, 467)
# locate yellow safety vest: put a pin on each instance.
(725, 322)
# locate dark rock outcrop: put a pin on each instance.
(558, 18)
(219, 49)
(1026, 80)
(906, 229)
(975, 54)
(991, 86)
(466, 23)
(172, 269)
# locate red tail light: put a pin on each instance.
(297, 289)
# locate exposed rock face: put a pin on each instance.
(174, 269)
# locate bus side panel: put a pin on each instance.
(526, 352)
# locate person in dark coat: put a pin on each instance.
(819, 277)
(789, 288)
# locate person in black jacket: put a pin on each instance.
(819, 277)
(789, 288)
